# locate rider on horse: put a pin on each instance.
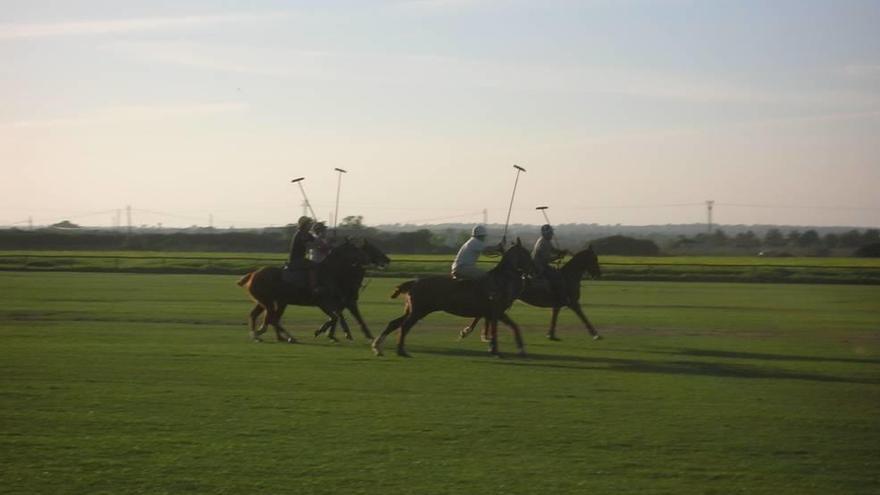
(545, 253)
(465, 265)
(302, 241)
(320, 247)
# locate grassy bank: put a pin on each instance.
(679, 268)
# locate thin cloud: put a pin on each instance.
(131, 113)
(17, 31)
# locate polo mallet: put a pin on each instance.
(507, 222)
(298, 181)
(338, 187)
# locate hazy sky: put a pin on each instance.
(628, 111)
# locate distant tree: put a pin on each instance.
(830, 240)
(793, 237)
(809, 238)
(851, 239)
(747, 240)
(627, 246)
(774, 238)
(869, 251)
(352, 222)
(64, 224)
(718, 238)
(871, 236)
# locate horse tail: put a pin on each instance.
(403, 288)
(245, 279)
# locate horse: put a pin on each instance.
(488, 297)
(539, 294)
(268, 289)
(351, 287)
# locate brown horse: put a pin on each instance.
(488, 297)
(336, 273)
(538, 293)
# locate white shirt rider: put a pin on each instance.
(465, 264)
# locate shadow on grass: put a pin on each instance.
(694, 368)
(763, 356)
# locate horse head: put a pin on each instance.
(518, 258)
(586, 260)
(375, 255)
(347, 254)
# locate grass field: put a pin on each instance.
(666, 268)
(134, 383)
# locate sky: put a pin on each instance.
(622, 112)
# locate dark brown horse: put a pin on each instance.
(538, 293)
(488, 297)
(340, 270)
(351, 290)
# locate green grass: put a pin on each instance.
(132, 383)
(674, 268)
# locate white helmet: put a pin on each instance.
(479, 231)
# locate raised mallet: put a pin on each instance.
(298, 181)
(509, 208)
(338, 186)
(543, 210)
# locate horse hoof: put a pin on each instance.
(291, 340)
(597, 337)
(522, 354)
(403, 353)
(484, 339)
(553, 338)
(464, 332)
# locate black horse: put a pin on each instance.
(351, 285)
(488, 297)
(538, 293)
(340, 276)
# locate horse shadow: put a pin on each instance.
(674, 367)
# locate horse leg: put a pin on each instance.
(553, 318)
(468, 329)
(330, 323)
(404, 330)
(356, 312)
(492, 323)
(517, 334)
(344, 326)
(578, 311)
(327, 324)
(484, 335)
(280, 333)
(392, 326)
(252, 323)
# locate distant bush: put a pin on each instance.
(626, 246)
(869, 251)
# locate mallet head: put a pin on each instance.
(519, 168)
(341, 170)
(298, 179)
